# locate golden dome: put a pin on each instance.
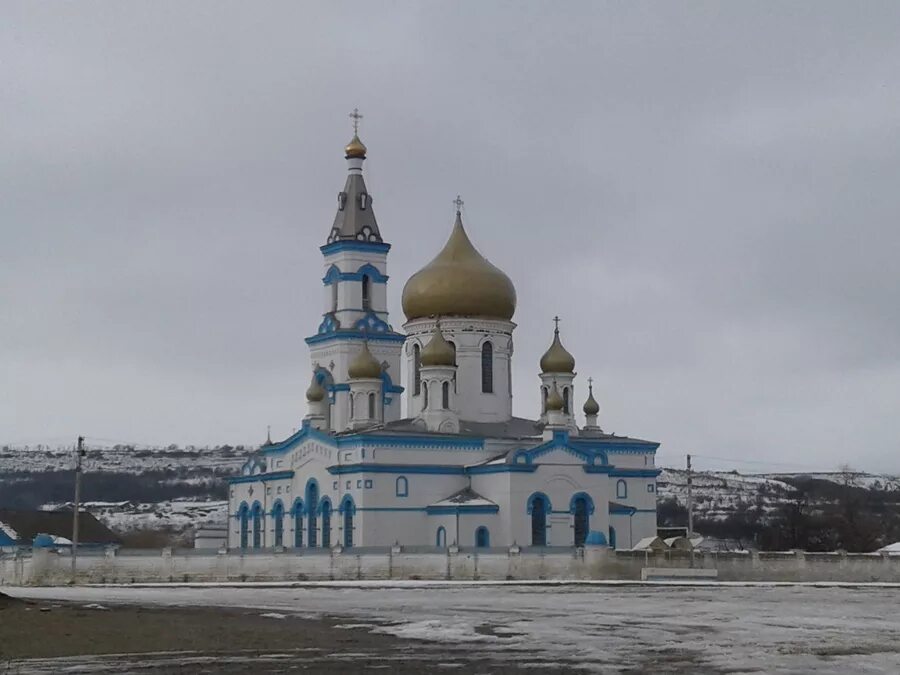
(355, 148)
(438, 352)
(554, 400)
(316, 391)
(557, 359)
(364, 366)
(591, 407)
(459, 282)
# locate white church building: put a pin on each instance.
(458, 469)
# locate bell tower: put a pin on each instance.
(355, 297)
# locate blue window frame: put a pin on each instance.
(368, 483)
(326, 523)
(402, 486)
(297, 512)
(278, 516)
(651, 487)
(538, 508)
(482, 537)
(243, 517)
(348, 510)
(359, 483)
(621, 489)
(257, 525)
(312, 498)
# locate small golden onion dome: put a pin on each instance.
(591, 407)
(557, 359)
(316, 391)
(459, 282)
(355, 148)
(554, 400)
(364, 366)
(438, 352)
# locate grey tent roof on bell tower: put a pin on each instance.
(355, 219)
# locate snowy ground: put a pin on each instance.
(599, 628)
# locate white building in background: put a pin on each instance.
(459, 469)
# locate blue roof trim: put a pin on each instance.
(461, 508)
(368, 269)
(275, 475)
(442, 469)
(337, 246)
(350, 334)
(597, 469)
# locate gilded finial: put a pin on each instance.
(591, 407)
(355, 148)
(458, 202)
(556, 359)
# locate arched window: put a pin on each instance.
(453, 344)
(257, 525)
(482, 537)
(347, 509)
(278, 516)
(352, 405)
(440, 539)
(445, 395)
(312, 499)
(425, 397)
(366, 293)
(417, 370)
(622, 490)
(566, 400)
(243, 517)
(298, 523)
(326, 523)
(371, 406)
(544, 399)
(582, 516)
(538, 507)
(402, 486)
(487, 368)
(334, 295)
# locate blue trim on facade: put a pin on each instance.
(371, 246)
(587, 498)
(347, 503)
(275, 475)
(597, 469)
(461, 509)
(388, 386)
(534, 497)
(368, 269)
(370, 324)
(502, 468)
(634, 473)
(350, 334)
(339, 469)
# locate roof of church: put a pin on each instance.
(355, 219)
(466, 496)
(517, 428)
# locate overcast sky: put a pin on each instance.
(706, 193)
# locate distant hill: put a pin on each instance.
(175, 489)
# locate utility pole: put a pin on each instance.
(690, 499)
(79, 453)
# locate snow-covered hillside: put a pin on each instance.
(193, 479)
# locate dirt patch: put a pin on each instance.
(42, 637)
(6, 601)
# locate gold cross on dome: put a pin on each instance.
(459, 203)
(356, 117)
(556, 321)
(591, 382)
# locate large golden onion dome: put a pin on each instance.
(438, 352)
(316, 391)
(554, 400)
(364, 366)
(556, 359)
(459, 282)
(355, 148)
(591, 407)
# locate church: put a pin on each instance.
(457, 468)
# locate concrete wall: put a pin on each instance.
(42, 567)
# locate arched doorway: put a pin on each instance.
(440, 539)
(348, 509)
(580, 508)
(482, 537)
